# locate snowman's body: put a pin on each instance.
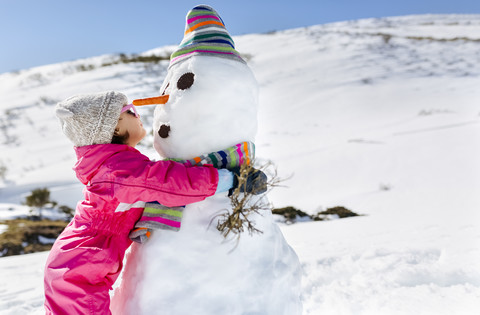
(196, 271)
(212, 105)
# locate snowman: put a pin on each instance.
(208, 103)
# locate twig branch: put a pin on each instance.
(244, 205)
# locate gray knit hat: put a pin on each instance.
(90, 118)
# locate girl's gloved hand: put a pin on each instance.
(256, 182)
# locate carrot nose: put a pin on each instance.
(151, 100)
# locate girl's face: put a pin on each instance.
(129, 122)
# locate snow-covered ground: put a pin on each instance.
(381, 116)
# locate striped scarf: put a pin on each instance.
(158, 217)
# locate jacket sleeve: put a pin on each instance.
(167, 182)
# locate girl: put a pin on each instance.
(86, 259)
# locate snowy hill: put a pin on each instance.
(379, 115)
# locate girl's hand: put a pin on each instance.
(255, 181)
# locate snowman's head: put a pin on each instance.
(210, 95)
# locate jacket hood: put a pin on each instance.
(91, 157)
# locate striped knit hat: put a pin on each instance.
(205, 34)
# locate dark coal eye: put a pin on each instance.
(185, 81)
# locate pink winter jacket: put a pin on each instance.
(86, 258)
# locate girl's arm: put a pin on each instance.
(167, 182)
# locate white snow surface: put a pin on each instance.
(380, 116)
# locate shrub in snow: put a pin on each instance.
(26, 236)
(38, 197)
(291, 214)
(334, 213)
(44, 208)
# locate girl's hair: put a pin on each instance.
(118, 138)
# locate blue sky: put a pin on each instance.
(36, 32)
